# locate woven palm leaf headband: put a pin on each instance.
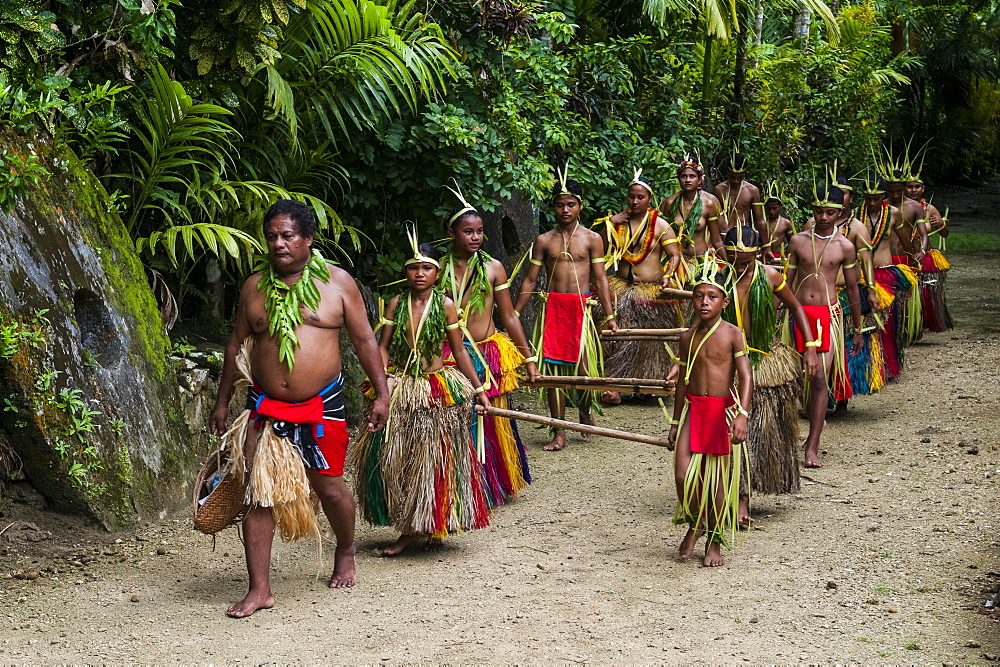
(466, 206)
(563, 175)
(636, 181)
(417, 258)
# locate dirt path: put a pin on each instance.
(888, 554)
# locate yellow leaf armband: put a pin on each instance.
(536, 262)
(501, 287)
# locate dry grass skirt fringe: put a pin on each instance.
(637, 307)
(773, 425)
(420, 473)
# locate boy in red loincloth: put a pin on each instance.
(565, 336)
(709, 417)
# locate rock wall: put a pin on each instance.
(92, 405)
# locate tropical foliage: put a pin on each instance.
(198, 114)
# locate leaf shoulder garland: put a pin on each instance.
(430, 333)
(283, 302)
(476, 282)
(690, 225)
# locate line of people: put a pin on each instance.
(431, 461)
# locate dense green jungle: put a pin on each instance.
(196, 115)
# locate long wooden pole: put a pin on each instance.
(670, 292)
(643, 332)
(573, 426)
(586, 379)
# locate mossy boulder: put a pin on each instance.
(92, 405)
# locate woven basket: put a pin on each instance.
(225, 504)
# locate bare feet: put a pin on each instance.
(744, 512)
(812, 459)
(252, 602)
(611, 398)
(713, 555)
(558, 442)
(344, 574)
(400, 545)
(434, 544)
(687, 544)
(588, 419)
(841, 409)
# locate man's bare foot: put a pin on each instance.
(841, 409)
(344, 573)
(687, 544)
(744, 512)
(558, 442)
(812, 459)
(400, 545)
(588, 420)
(713, 555)
(611, 398)
(251, 603)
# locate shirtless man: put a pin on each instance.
(741, 200)
(694, 213)
(775, 231)
(565, 336)
(912, 214)
(815, 259)
(289, 230)
(642, 248)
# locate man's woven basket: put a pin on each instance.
(225, 504)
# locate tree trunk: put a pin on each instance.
(740, 66)
(835, 7)
(800, 25)
(706, 81)
(758, 28)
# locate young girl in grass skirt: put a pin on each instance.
(420, 474)
(478, 285)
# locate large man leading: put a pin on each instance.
(292, 438)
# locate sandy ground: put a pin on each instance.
(889, 554)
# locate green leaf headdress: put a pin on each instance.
(773, 191)
(824, 201)
(466, 206)
(740, 246)
(642, 182)
(710, 270)
(832, 173)
(411, 234)
(910, 168)
(872, 182)
(563, 176)
(734, 155)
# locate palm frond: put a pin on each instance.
(219, 240)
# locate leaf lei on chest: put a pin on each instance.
(690, 225)
(429, 336)
(283, 303)
(476, 281)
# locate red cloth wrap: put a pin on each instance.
(813, 313)
(333, 443)
(928, 265)
(708, 427)
(563, 326)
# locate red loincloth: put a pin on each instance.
(323, 414)
(814, 313)
(563, 327)
(708, 426)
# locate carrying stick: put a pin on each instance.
(573, 426)
(586, 383)
(671, 293)
(643, 332)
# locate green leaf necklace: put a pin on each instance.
(284, 302)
